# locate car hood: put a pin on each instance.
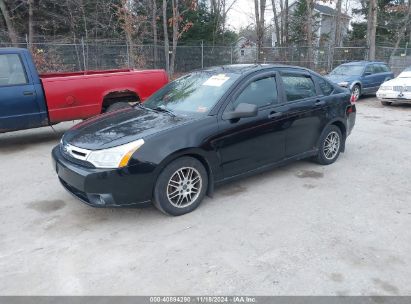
(121, 127)
(341, 78)
(398, 82)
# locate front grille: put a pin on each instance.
(402, 88)
(76, 161)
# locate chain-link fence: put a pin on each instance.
(98, 55)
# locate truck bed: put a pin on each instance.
(80, 95)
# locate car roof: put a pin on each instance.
(249, 68)
(12, 49)
(362, 62)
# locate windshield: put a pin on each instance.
(348, 70)
(197, 92)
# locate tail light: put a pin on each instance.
(350, 109)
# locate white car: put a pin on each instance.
(397, 89)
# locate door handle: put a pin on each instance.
(319, 102)
(28, 93)
(275, 114)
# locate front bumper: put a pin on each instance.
(397, 97)
(396, 100)
(124, 187)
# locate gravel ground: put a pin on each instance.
(302, 229)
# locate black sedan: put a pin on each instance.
(201, 130)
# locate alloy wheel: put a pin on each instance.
(356, 92)
(331, 145)
(184, 187)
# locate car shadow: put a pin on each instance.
(21, 140)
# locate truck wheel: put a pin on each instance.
(118, 106)
(386, 103)
(181, 186)
(330, 145)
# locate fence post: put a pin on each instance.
(84, 55)
(330, 58)
(202, 54)
(128, 55)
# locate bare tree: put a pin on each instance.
(178, 21)
(372, 28)
(335, 37)
(220, 9)
(176, 24)
(403, 30)
(276, 23)
(337, 32)
(30, 26)
(286, 22)
(259, 6)
(126, 18)
(9, 23)
(282, 25)
(166, 43)
(281, 20)
(154, 28)
(309, 26)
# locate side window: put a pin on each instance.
(298, 87)
(260, 92)
(325, 86)
(369, 69)
(11, 70)
(384, 68)
(378, 68)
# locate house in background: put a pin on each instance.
(245, 50)
(325, 20)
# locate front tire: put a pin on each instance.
(356, 91)
(330, 145)
(181, 186)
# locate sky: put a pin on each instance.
(242, 12)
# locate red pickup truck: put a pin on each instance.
(29, 100)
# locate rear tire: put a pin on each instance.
(118, 106)
(330, 145)
(386, 103)
(181, 186)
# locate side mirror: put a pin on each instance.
(243, 110)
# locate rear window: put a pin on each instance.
(384, 68)
(298, 86)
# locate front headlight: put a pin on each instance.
(386, 88)
(117, 157)
(344, 84)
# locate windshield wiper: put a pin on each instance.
(163, 109)
(156, 109)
